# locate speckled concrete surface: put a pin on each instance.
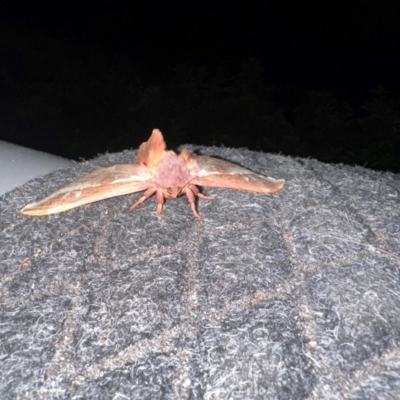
(291, 295)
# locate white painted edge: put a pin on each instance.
(19, 165)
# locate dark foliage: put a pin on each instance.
(77, 101)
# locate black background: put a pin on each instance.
(313, 79)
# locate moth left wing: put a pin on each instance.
(210, 171)
(102, 183)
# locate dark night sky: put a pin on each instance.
(343, 47)
(352, 45)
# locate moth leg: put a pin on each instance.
(192, 191)
(196, 191)
(201, 195)
(160, 202)
(149, 192)
(191, 197)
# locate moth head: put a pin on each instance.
(171, 192)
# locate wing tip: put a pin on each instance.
(275, 184)
(35, 210)
(32, 212)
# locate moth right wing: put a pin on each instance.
(102, 183)
(210, 171)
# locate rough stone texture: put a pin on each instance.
(292, 295)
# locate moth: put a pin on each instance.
(158, 172)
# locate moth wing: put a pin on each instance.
(210, 171)
(102, 183)
(152, 151)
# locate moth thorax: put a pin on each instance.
(172, 174)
